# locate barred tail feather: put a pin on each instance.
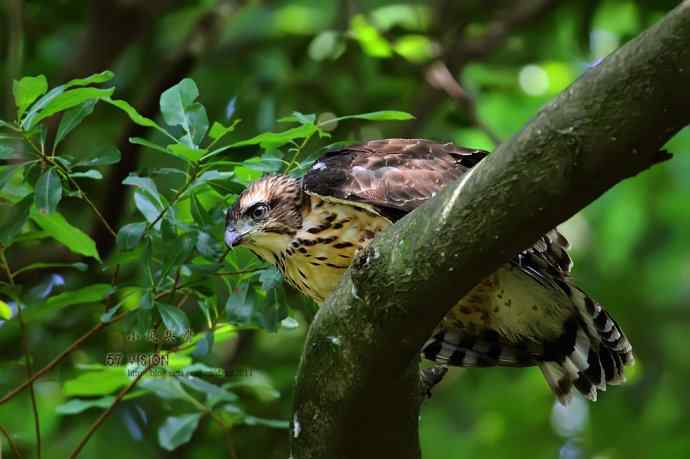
(591, 354)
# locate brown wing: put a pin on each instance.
(397, 175)
(393, 175)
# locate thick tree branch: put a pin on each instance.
(357, 387)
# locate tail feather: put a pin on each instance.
(597, 356)
(591, 352)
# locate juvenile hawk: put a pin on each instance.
(529, 312)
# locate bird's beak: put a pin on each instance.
(232, 237)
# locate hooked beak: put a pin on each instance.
(232, 237)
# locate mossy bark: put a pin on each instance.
(358, 393)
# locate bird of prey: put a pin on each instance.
(529, 312)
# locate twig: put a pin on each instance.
(107, 412)
(10, 441)
(53, 363)
(439, 76)
(25, 350)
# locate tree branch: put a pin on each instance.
(357, 387)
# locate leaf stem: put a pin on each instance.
(13, 445)
(25, 350)
(107, 412)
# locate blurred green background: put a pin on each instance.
(472, 72)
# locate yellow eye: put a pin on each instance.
(259, 211)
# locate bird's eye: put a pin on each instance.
(259, 212)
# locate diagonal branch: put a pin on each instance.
(357, 387)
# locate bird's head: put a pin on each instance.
(266, 215)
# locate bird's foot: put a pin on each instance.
(432, 376)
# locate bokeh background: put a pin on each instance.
(472, 72)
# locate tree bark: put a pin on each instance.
(358, 392)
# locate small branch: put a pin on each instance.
(27, 354)
(13, 445)
(107, 412)
(56, 361)
(438, 76)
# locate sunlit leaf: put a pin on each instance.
(68, 99)
(372, 42)
(96, 78)
(59, 229)
(276, 139)
(27, 90)
(186, 152)
(5, 311)
(102, 382)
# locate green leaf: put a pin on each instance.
(59, 229)
(239, 307)
(199, 213)
(165, 388)
(79, 266)
(179, 108)
(135, 116)
(5, 311)
(276, 139)
(27, 90)
(72, 118)
(148, 207)
(91, 173)
(31, 115)
(68, 99)
(218, 131)
(212, 392)
(274, 423)
(329, 44)
(148, 144)
(186, 152)
(144, 183)
(48, 191)
(8, 151)
(416, 48)
(89, 294)
(106, 156)
(372, 42)
(129, 236)
(384, 115)
(15, 220)
(96, 78)
(76, 405)
(173, 318)
(7, 172)
(177, 430)
(103, 382)
(270, 278)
